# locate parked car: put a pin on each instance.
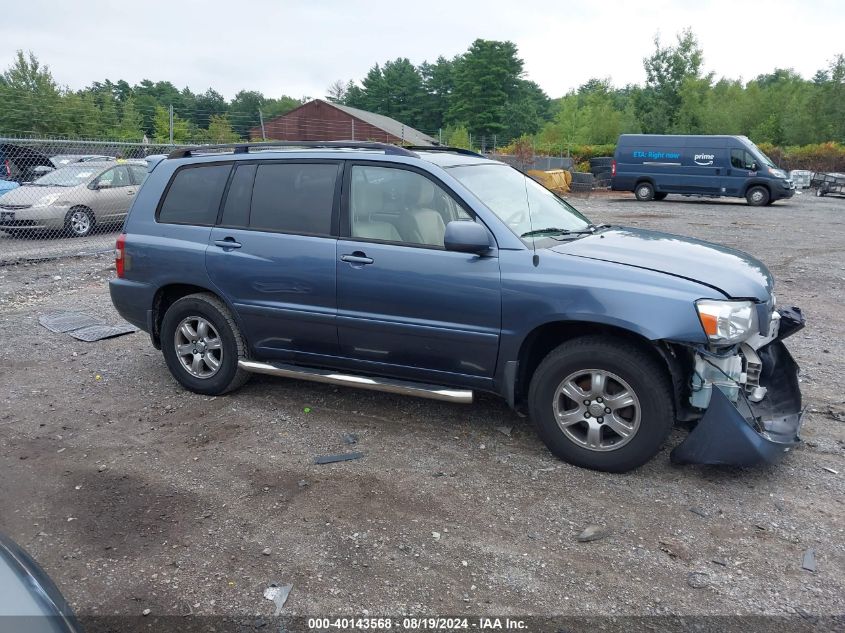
(655, 165)
(60, 160)
(20, 164)
(436, 272)
(29, 600)
(74, 199)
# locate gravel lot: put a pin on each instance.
(136, 495)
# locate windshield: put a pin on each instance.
(768, 162)
(69, 176)
(528, 208)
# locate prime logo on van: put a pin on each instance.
(704, 159)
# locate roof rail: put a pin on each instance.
(444, 148)
(246, 148)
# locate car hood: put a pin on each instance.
(732, 272)
(29, 194)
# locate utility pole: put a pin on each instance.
(440, 136)
(494, 143)
(171, 124)
(261, 118)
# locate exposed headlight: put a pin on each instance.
(727, 322)
(46, 201)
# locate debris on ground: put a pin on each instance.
(698, 579)
(342, 457)
(435, 536)
(266, 551)
(830, 470)
(350, 438)
(699, 512)
(592, 533)
(808, 562)
(675, 548)
(505, 429)
(82, 326)
(279, 595)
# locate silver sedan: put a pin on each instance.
(73, 200)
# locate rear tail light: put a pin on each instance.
(120, 254)
(612, 168)
(8, 168)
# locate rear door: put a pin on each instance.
(740, 168)
(273, 255)
(407, 306)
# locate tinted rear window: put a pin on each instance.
(294, 198)
(194, 195)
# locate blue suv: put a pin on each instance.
(436, 272)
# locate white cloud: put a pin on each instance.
(299, 47)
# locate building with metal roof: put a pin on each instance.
(320, 120)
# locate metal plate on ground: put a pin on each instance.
(93, 333)
(67, 321)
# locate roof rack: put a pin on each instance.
(246, 148)
(443, 148)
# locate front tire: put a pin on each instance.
(644, 191)
(79, 222)
(601, 403)
(202, 345)
(757, 196)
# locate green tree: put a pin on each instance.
(31, 99)
(456, 136)
(161, 127)
(486, 78)
(666, 71)
(131, 123)
(220, 130)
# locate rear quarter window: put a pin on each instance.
(294, 198)
(193, 196)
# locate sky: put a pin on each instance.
(298, 48)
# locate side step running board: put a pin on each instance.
(421, 390)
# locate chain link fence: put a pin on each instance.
(66, 197)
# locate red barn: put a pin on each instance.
(320, 120)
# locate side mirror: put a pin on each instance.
(755, 166)
(464, 236)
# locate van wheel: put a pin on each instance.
(202, 345)
(644, 192)
(601, 403)
(660, 195)
(757, 196)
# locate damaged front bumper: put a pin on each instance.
(748, 433)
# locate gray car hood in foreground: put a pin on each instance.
(734, 273)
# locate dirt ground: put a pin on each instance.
(134, 494)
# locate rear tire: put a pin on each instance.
(757, 196)
(594, 435)
(644, 191)
(202, 345)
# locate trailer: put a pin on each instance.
(825, 184)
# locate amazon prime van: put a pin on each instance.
(655, 165)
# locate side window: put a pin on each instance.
(139, 174)
(236, 207)
(737, 159)
(115, 177)
(397, 205)
(194, 195)
(294, 197)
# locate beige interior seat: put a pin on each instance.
(427, 226)
(366, 200)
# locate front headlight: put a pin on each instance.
(727, 322)
(778, 173)
(46, 201)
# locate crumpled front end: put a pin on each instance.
(753, 409)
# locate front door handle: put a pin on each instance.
(228, 242)
(357, 258)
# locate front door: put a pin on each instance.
(407, 306)
(113, 194)
(273, 256)
(741, 167)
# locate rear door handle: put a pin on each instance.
(228, 242)
(357, 258)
